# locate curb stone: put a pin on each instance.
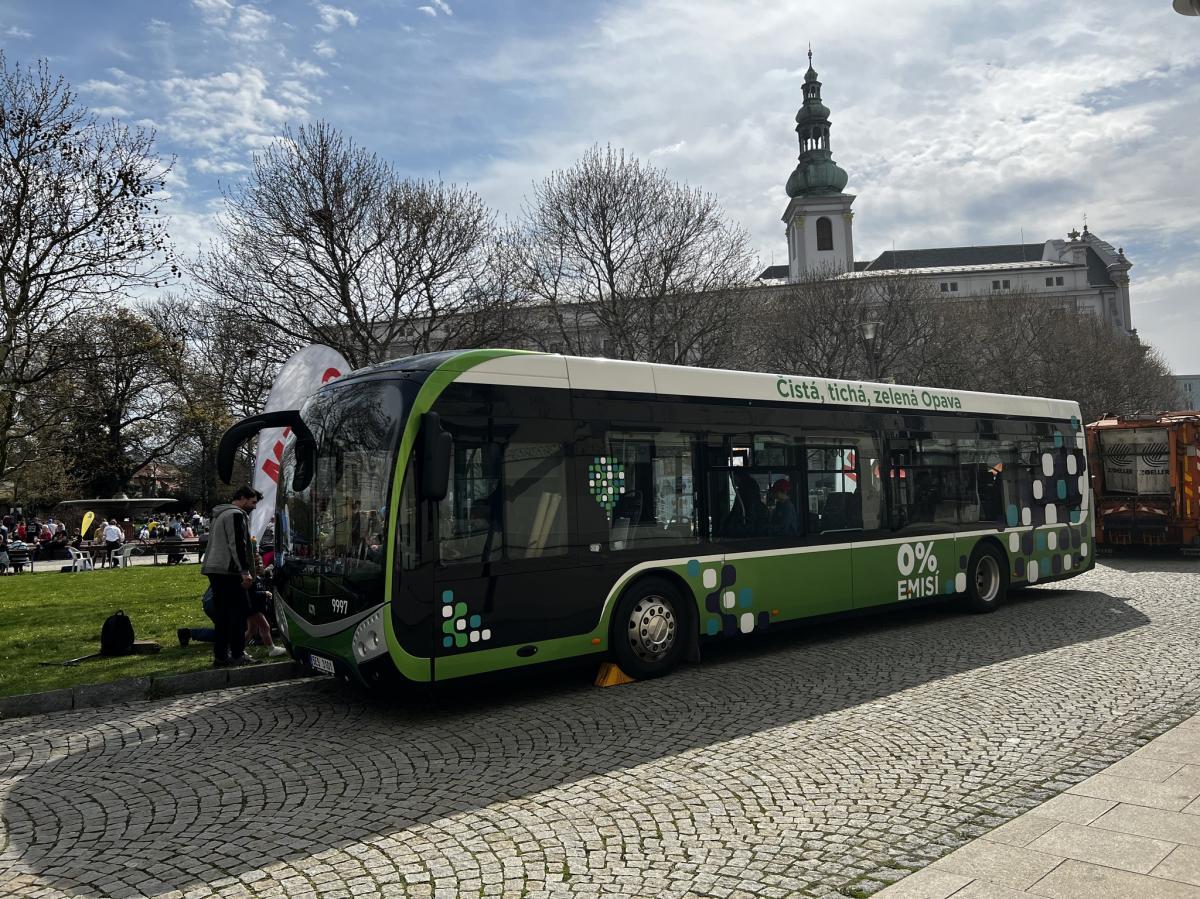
(132, 689)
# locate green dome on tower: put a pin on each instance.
(816, 172)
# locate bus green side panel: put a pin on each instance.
(920, 568)
(786, 585)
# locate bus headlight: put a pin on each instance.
(281, 617)
(369, 640)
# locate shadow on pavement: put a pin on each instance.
(1148, 559)
(177, 794)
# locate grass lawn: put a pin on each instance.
(51, 616)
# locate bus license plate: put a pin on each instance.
(325, 666)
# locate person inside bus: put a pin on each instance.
(784, 520)
(925, 497)
(748, 517)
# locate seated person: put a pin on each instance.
(172, 544)
(57, 547)
(748, 517)
(785, 522)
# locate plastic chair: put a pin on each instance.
(80, 561)
(120, 556)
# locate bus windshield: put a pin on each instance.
(338, 523)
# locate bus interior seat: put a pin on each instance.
(946, 511)
(842, 511)
(626, 513)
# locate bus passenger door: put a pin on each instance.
(915, 554)
(504, 559)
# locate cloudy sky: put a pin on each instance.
(958, 122)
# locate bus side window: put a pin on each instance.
(507, 496)
(644, 482)
(755, 487)
(930, 492)
(843, 482)
(470, 525)
(534, 489)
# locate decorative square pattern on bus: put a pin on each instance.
(606, 481)
(459, 628)
(730, 611)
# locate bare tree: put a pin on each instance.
(79, 226)
(815, 327)
(621, 257)
(223, 372)
(1019, 343)
(326, 244)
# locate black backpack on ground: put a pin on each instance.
(116, 637)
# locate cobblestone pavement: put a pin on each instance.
(827, 762)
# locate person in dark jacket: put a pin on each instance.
(229, 565)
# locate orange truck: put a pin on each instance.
(1146, 479)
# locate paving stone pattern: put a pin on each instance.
(828, 762)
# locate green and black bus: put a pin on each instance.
(457, 513)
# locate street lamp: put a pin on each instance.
(1187, 7)
(870, 334)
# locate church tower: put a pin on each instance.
(818, 217)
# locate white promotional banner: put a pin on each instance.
(300, 376)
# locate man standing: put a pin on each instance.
(229, 564)
(113, 537)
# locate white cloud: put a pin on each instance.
(230, 114)
(307, 69)
(443, 6)
(20, 33)
(214, 12)
(253, 25)
(324, 49)
(119, 88)
(428, 10)
(668, 150)
(333, 17)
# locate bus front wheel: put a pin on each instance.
(987, 578)
(648, 629)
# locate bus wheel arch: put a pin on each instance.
(653, 625)
(987, 576)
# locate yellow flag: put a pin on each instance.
(87, 522)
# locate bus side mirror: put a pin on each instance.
(306, 456)
(437, 446)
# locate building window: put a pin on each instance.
(1007, 284)
(1058, 282)
(953, 286)
(824, 234)
(1049, 282)
(995, 285)
(945, 287)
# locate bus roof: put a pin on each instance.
(523, 368)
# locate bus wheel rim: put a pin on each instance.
(987, 579)
(652, 628)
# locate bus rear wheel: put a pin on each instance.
(648, 629)
(987, 579)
